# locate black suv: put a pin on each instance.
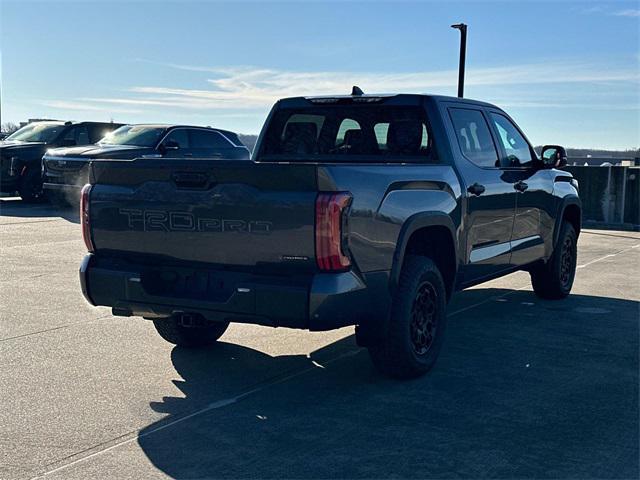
(21, 152)
(366, 210)
(65, 170)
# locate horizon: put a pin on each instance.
(561, 82)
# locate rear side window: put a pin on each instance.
(474, 137)
(208, 139)
(180, 136)
(348, 133)
(97, 132)
(79, 135)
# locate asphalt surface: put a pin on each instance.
(523, 388)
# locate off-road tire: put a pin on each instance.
(554, 279)
(190, 337)
(410, 346)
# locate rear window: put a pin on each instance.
(348, 133)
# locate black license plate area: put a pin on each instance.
(209, 285)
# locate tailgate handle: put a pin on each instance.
(190, 179)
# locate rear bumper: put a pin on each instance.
(314, 302)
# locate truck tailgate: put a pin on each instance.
(217, 212)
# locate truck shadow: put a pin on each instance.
(523, 388)
(15, 207)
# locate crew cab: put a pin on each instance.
(21, 152)
(365, 210)
(65, 170)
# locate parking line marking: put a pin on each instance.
(492, 299)
(608, 234)
(212, 406)
(84, 322)
(464, 309)
(232, 400)
(29, 222)
(608, 256)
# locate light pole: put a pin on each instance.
(463, 55)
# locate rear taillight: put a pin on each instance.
(331, 234)
(85, 218)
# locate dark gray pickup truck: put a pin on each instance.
(366, 210)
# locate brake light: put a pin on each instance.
(331, 231)
(85, 217)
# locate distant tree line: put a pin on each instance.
(8, 128)
(599, 153)
(583, 152)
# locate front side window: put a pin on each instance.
(516, 147)
(347, 133)
(474, 137)
(136, 135)
(37, 132)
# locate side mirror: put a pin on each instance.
(553, 156)
(169, 145)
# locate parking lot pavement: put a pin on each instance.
(523, 388)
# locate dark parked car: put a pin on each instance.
(366, 210)
(66, 170)
(21, 152)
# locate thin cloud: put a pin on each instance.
(630, 12)
(593, 9)
(508, 103)
(245, 89)
(83, 107)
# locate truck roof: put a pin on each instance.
(172, 125)
(400, 97)
(74, 122)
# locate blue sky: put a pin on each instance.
(567, 71)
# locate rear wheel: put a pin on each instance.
(199, 333)
(416, 326)
(554, 279)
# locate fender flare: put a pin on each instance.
(566, 202)
(412, 224)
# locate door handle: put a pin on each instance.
(476, 189)
(520, 186)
